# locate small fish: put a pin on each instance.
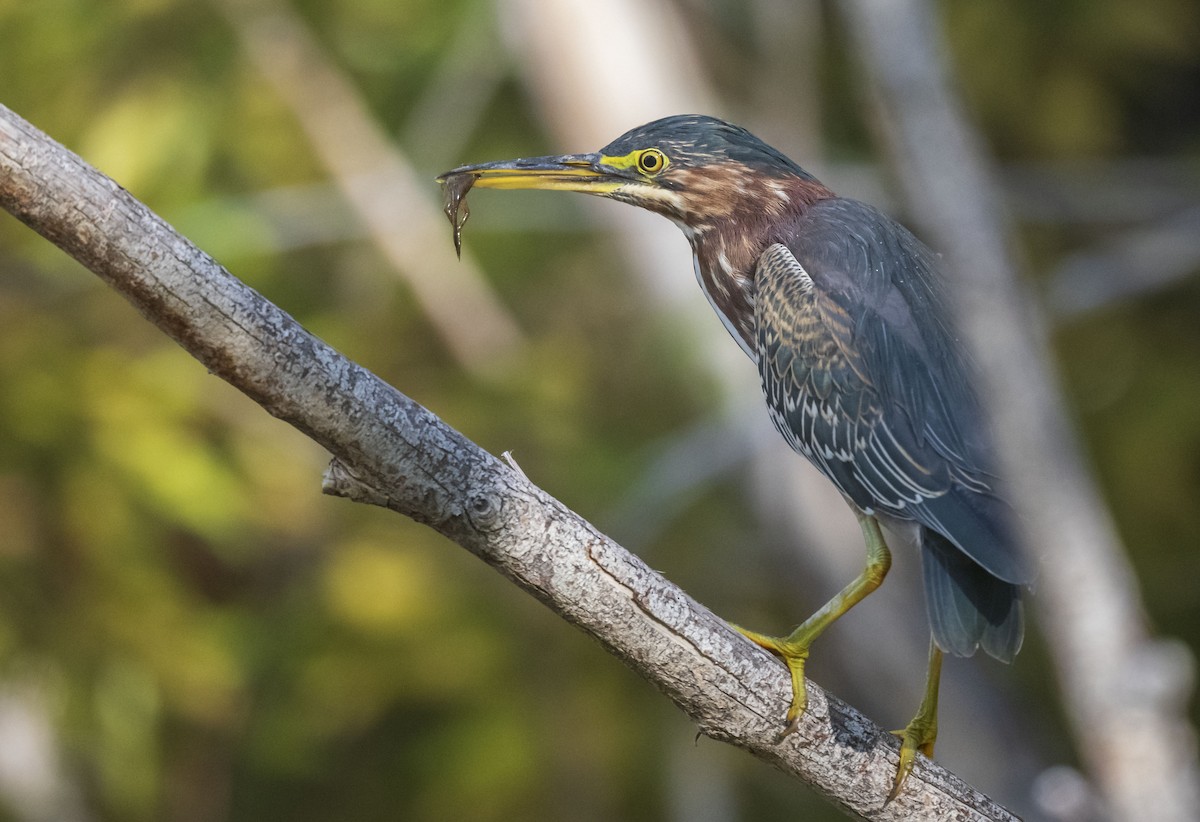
(455, 186)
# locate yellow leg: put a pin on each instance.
(921, 733)
(793, 648)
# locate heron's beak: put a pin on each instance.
(586, 173)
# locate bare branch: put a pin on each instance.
(391, 451)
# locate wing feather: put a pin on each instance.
(862, 376)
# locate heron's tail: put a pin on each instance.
(968, 606)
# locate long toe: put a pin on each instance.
(794, 655)
(919, 736)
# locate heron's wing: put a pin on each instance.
(885, 279)
(851, 383)
(822, 398)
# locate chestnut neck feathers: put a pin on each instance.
(743, 215)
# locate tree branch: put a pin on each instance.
(391, 451)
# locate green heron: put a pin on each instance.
(841, 309)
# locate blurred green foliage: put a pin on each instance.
(212, 638)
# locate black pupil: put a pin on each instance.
(649, 161)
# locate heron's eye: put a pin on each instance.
(651, 161)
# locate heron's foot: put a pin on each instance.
(920, 735)
(793, 650)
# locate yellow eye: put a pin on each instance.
(651, 161)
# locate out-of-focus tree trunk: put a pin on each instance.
(1124, 691)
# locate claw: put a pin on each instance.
(792, 726)
(918, 736)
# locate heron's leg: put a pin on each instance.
(793, 648)
(921, 733)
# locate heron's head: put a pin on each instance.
(693, 169)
